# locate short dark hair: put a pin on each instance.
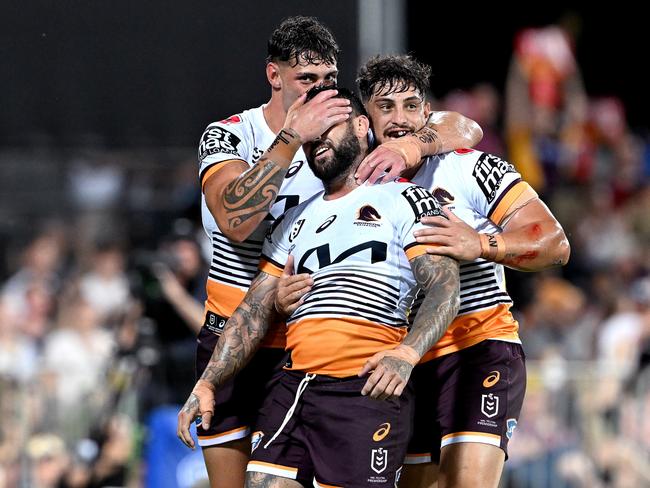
(303, 38)
(355, 102)
(392, 74)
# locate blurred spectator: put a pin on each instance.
(106, 287)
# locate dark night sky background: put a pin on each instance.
(155, 73)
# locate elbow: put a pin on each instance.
(235, 235)
(474, 133)
(564, 252)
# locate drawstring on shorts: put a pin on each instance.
(301, 388)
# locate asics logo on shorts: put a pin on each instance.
(381, 433)
(492, 379)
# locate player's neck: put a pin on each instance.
(343, 184)
(274, 114)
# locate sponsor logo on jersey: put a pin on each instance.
(464, 151)
(511, 425)
(422, 202)
(326, 224)
(214, 323)
(272, 227)
(489, 171)
(293, 169)
(296, 229)
(443, 196)
(218, 140)
(490, 405)
(233, 119)
(256, 438)
(492, 379)
(381, 432)
(367, 216)
(379, 460)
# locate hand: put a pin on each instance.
(450, 237)
(169, 284)
(313, 118)
(291, 289)
(392, 157)
(391, 370)
(200, 403)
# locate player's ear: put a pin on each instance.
(427, 109)
(361, 125)
(273, 75)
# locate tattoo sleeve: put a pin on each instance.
(243, 332)
(253, 193)
(438, 278)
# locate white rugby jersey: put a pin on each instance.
(480, 189)
(244, 137)
(357, 249)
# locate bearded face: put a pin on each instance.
(333, 154)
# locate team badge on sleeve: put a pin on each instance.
(489, 171)
(218, 140)
(422, 202)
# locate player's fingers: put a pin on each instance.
(371, 363)
(451, 215)
(325, 95)
(299, 101)
(183, 430)
(364, 170)
(389, 391)
(435, 221)
(381, 385)
(288, 267)
(206, 418)
(399, 389)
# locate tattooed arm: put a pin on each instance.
(238, 197)
(241, 337)
(444, 132)
(439, 280)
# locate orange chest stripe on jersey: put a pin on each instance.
(224, 300)
(338, 347)
(472, 328)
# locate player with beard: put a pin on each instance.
(470, 385)
(322, 423)
(244, 189)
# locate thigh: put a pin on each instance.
(263, 480)
(482, 399)
(354, 440)
(238, 400)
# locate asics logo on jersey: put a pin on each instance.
(323, 257)
(492, 379)
(293, 169)
(489, 171)
(381, 433)
(326, 224)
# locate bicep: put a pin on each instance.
(432, 270)
(532, 211)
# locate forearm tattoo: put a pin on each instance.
(253, 192)
(438, 277)
(428, 135)
(243, 332)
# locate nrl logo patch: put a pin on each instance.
(489, 405)
(379, 460)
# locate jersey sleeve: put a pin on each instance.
(496, 187)
(413, 203)
(276, 248)
(223, 141)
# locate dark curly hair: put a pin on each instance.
(299, 39)
(392, 74)
(355, 103)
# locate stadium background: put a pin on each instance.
(101, 250)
